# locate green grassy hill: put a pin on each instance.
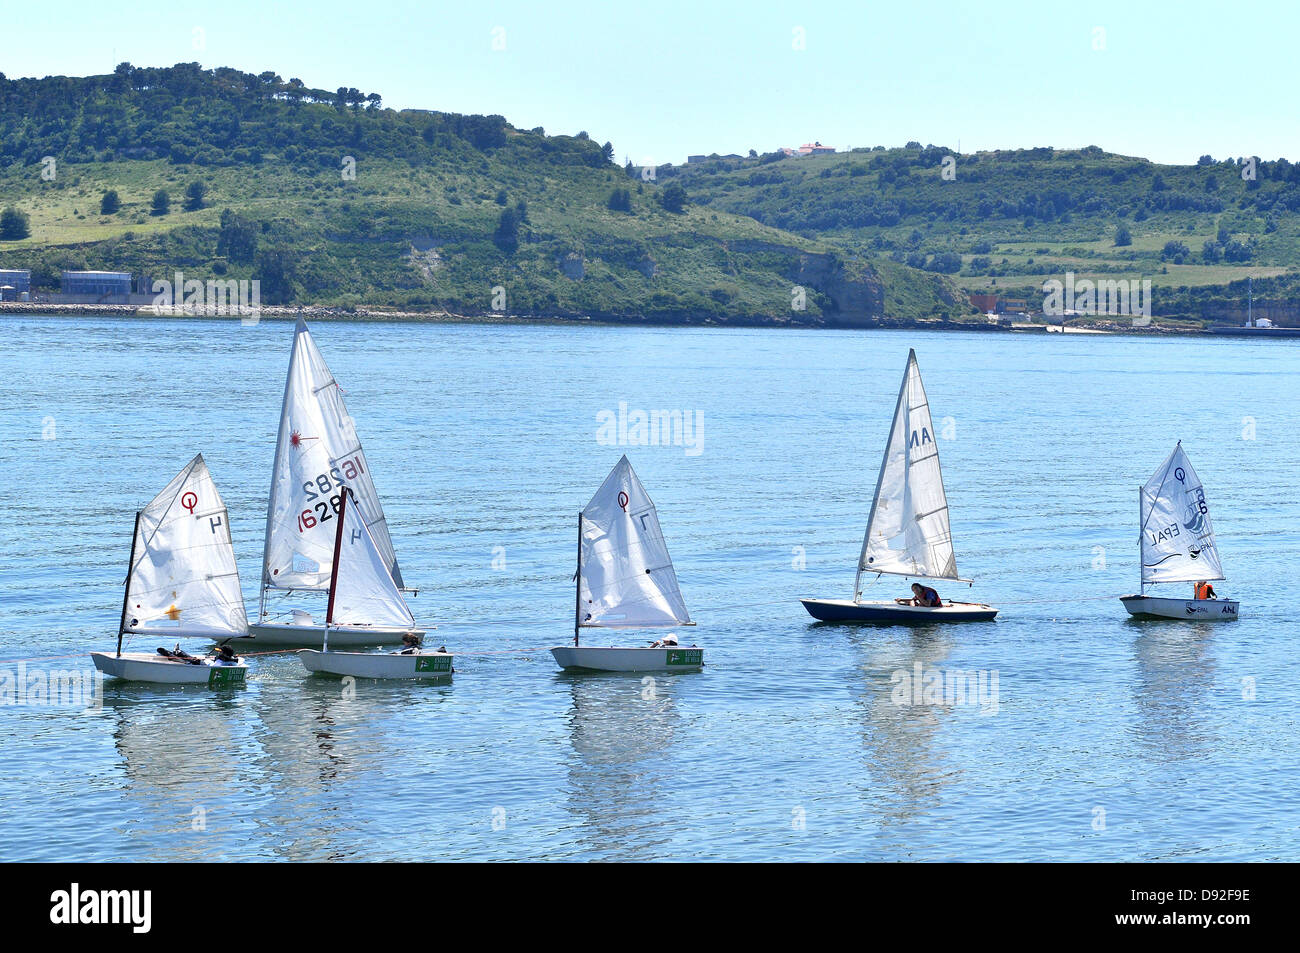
(442, 211)
(1008, 221)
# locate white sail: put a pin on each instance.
(625, 576)
(317, 453)
(183, 579)
(364, 592)
(1177, 536)
(907, 532)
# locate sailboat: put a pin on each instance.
(362, 591)
(1176, 540)
(181, 582)
(625, 580)
(908, 532)
(317, 456)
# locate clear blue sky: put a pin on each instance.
(665, 79)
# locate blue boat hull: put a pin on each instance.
(845, 610)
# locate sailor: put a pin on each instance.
(668, 641)
(410, 644)
(179, 655)
(1205, 591)
(922, 596)
(225, 656)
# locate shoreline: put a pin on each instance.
(317, 313)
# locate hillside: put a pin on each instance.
(1008, 221)
(441, 211)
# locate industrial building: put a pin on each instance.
(96, 284)
(19, 280)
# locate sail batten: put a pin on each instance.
(921, 516)
(1177, 537)
(625, 575)
(184, 570)
(318, 455)
(908, 532)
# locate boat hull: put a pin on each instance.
(846, 610)
(1200, 610)
(640, 659)
(342, 636)
(143, 667)
(377, 665)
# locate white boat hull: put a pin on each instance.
(342, 636)
(640, 659)
(377, 664)
(1199, 610)
(144, 667)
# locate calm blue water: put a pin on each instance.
(483, 442)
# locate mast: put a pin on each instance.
(1142, 586)
(126, 589)
(577, 585)
(334, 571)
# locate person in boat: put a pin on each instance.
(667, 642)
(1205, 591)
(225, 656)
(410, 644)
(922, 596)
(178, 654)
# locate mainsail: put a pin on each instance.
(183, 579)
(907, 532)
(364, 592)
(625, 576)
(1177, 537)
(317, 454)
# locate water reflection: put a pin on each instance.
(1175, 677)
(327, 746)
(287, 768)
(620, 727)
(899, 739)
(181, 756)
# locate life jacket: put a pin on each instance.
(1203, 590)
(931, 596)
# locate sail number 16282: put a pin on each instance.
(323, 502)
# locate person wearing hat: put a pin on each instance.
(225, 656)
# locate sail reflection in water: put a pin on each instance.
(620, 729)
(905, 765)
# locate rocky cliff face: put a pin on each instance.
(849, 295)
(856, 297)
